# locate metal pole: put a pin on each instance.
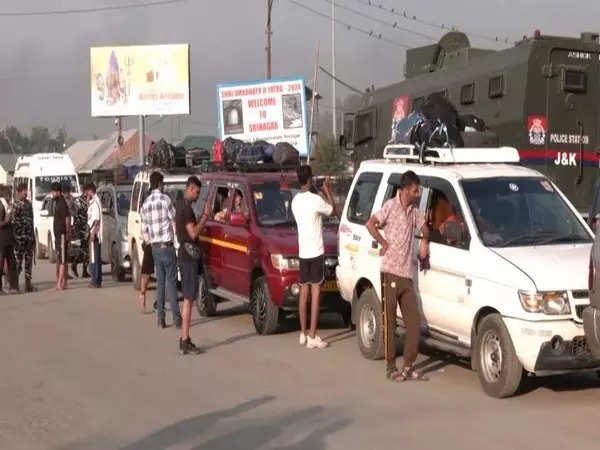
(142, 149)
(312, 105)
(269, 6)
(333, 68)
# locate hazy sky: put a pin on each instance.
(44, 74)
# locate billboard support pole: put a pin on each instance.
(142, 133)
(312, 106)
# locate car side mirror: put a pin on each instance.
(452, 233)
(238, 219)
(44, 213)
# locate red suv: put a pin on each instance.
(251, 248)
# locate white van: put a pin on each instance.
(39, 171)
(508, 276)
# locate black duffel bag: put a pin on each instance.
(231, 148)
(251, 154)
(286, 154)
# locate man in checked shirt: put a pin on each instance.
(158, 215)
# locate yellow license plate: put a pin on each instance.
(330, 286)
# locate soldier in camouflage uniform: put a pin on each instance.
(81, 232)
(24, 235)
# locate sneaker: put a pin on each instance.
(302, 340)
(188, 347)
(315, 342)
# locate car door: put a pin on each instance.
(213, 234)
(444, 288)
(45, 223)
(109, 224)
(133, 218)
(236, 266)
(357, 248)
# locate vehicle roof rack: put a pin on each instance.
(450, 155)
(212, 166)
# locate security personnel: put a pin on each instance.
(81, 232)
(24, 235)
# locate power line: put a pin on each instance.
(382, 22)
(88, 10)
(369, 33)
(340, 81)
(439, 26)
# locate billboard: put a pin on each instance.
(268, 110)
(140, 80)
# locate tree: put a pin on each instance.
(329, 159)
(40, 139)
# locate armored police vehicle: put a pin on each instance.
(540, 96)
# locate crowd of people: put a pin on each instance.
(72, 219)
(164, 222)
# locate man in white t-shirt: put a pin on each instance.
(309, 209)
(95, 225)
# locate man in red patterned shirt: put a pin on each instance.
(399, 217)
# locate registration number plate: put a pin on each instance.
(330, 286)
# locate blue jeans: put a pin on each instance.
(96, 263)
(165, 269)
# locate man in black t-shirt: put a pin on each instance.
(188, 230)
(62, 235)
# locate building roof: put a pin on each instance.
(82, 151)
(195, 141)
(8, 161)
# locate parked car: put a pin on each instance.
(251, 255)
(115, 201)
(507, 283)
(591, 315)
(174, 187)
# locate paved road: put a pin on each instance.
(83, 369)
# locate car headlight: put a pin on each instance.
(551, 303)
(281, 262)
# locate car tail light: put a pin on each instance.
(591, 273)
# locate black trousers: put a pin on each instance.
(7, 255)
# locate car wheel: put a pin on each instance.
(118, 273)
(136, 269)
(500, 371)
(206, 304)
(264, 313)
(51, 252)
(370, 325)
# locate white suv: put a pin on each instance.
(174, 181)
(507, 281)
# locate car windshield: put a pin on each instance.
(174, 190)
(273, 202)
(522, 212)
(43, 185)
(123, 202)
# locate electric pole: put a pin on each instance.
(333, 69)
(269, 7)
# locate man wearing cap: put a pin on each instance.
(62, 234)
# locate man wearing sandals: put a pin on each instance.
(399, 217)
